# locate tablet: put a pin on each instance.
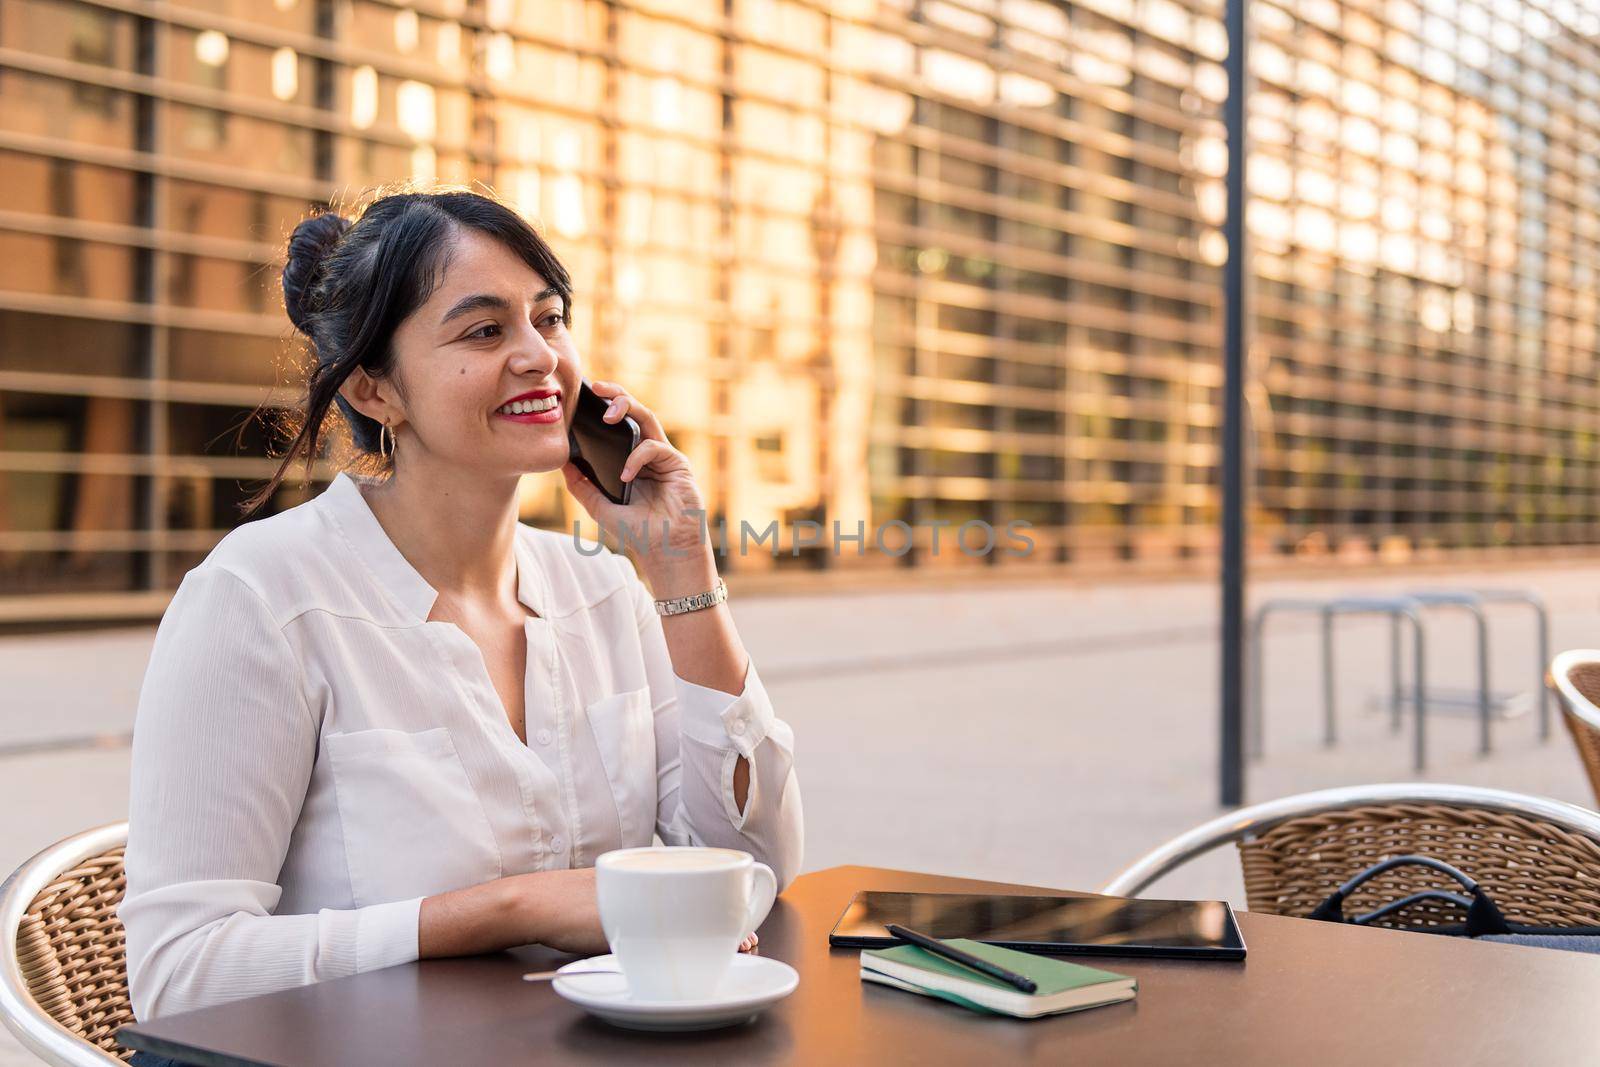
(1092, 925)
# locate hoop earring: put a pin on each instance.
(385, 453)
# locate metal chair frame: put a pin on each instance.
(34, 1026)
(1574, 702)
(1578, 711)
(1248, 823)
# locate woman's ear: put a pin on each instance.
(364, 393)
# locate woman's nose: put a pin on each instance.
(532, 353)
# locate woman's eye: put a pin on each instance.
(478, 333)
(552, 320)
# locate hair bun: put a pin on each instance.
(310, 242)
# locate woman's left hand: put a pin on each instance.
(749, 944)
(666, 510)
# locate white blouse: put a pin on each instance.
(312, 756)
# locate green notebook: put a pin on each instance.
(1063, 986)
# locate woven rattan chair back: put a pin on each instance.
(1575, 676)
(1538, 858)
(70, 951)
(1538, 873)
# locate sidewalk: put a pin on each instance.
(1038, 734)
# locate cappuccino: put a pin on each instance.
(674, 917)
(679, 859)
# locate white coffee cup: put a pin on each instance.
(674, 917)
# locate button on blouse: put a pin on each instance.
(312, 756)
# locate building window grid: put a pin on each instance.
(1503, 353)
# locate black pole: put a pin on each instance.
(1233, 343)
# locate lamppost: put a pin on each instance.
(1234, 321)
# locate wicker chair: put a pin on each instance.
(63, 978)
(1575, 676)
(1539, 859)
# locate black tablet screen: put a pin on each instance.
(1113, 926)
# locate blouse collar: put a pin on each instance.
(405, 588)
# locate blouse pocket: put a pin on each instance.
(623, 725)
(413, 826)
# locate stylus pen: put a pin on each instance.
(966, 959)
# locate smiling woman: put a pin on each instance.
(363, 292)
(396, 722)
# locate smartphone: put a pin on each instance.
(598, 448)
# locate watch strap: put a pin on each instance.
(698, 602)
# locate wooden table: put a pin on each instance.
(1308, 993)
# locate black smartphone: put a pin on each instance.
(599, 448)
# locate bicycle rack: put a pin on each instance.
(1542, 621)
(1473, 604)
(1407, 608)
(1398, 609)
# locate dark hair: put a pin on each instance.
(348, 284)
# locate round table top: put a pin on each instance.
(1308, 993)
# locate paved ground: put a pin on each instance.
(1041, 734)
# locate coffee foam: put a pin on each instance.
(676, 859)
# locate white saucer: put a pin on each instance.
(751, 984)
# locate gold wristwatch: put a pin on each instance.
(698, 602)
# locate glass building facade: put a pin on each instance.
(872, 260)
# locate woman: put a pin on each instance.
(395, 723)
